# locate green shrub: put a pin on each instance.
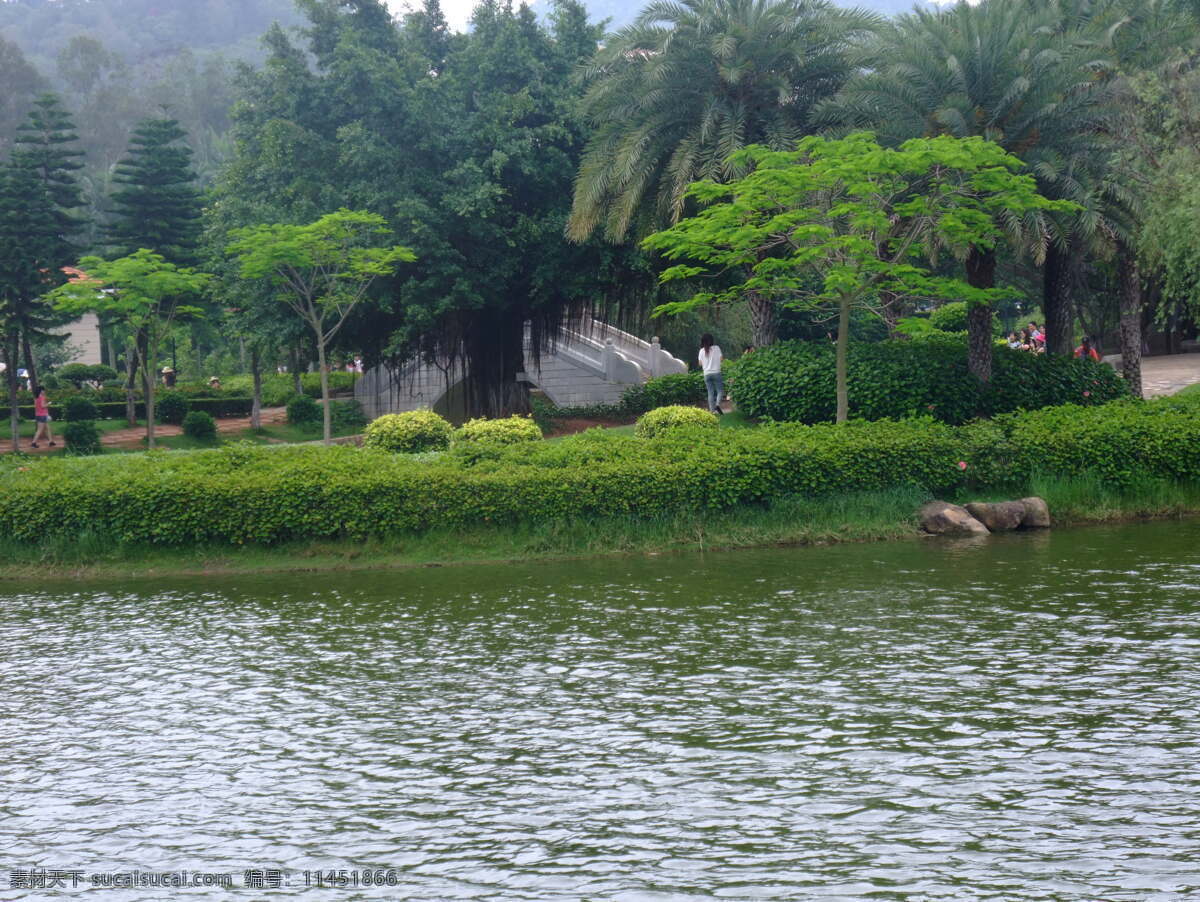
(347, 416)
(82, 437)
(677, 388)
(411, 432)
(171, 407)
(79, 373)
(795, 381)
(952, 317)
(200, 426)
(78, 409)
(674, 417)
(507, 431)
(277, 494)
(303, 411)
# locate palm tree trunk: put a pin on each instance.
(1131, 318)
(981, 273)
(1058, 282)
(764, 323)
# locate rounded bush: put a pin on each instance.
(78, 409)
(200, 425)
(795, 381)
(675, 388)
(410, 432)
(171, 407)
(82, 437)
(663, 419)
(303, 411)
(507, 431)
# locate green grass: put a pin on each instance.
(1191, 390)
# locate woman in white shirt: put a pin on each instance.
(710, 363)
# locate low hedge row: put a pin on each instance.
(114, 410)
(242, 494)
(795, 381)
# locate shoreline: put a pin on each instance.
(788, 523)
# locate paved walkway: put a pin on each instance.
(133, 437)
(1168, 374)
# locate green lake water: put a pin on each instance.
(1013, 719)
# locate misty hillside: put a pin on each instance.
(622, 12)
(140, 30)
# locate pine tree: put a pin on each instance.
(158, 207)
(39, 195)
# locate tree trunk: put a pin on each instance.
(326, 413)
(1131, 318)
(132, 361)
(10, 372)
(30, 363)
(148, 376)
(495, 355)
(843, 347)
(256, 374)
(294, 366)
(981, 273)
(764, 323)
(1058, 303)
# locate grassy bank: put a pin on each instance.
(868, 516)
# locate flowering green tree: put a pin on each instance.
(142, 292)
(322, 271)
(836, 222)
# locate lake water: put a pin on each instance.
(1013, 719)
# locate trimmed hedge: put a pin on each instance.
(305, 412)
(675, 416)
(795, 381)
(114, 410)
(506, 431)
(172, 407)
(411, 432)
(78, 409)
(82, 437)
(200, 426)
(273, 494)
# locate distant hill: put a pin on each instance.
(622, 12)
(141, 30)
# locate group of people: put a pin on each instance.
(1033, 339)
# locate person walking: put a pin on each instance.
(41, 413)
(714, 381)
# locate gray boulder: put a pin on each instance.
(1037, 514)
(941, 518)
(999, 517)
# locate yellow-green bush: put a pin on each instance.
(507, 431)
(675, 416)
(410, 432)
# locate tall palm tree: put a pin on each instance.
(1000, 70)
(672, 95)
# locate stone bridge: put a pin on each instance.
(588, 362)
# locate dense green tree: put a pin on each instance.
(676, 93)
(467, 145)
(1002, 71)
(836, 222)
(144, 292)
(322, 271)
(157, 205)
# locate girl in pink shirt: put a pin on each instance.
(41, 413)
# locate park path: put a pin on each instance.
(131, 437)
(1168, 374)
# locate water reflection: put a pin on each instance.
(1014, 719)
